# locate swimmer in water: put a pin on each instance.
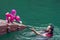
(11, 17)
(48, 32)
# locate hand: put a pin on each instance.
(21, 22)
(7, 13)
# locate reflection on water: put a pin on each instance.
(27, 34)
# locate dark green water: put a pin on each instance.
(37, 13)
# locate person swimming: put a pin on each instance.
(11, 17)
(47, 33)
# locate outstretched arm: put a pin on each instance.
(37, 33)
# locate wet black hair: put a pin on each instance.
(52, 28)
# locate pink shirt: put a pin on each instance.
(11, 17)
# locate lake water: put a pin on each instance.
(35, 13)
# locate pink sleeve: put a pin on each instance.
(17, 18)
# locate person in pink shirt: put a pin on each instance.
(11, 17)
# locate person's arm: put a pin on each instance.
(6, 16)
(37, 33)
(18, 19)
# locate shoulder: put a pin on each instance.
(17, 16)
(7, 13)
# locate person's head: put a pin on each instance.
(13, 12)
(50, 28)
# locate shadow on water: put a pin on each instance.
(27, 34)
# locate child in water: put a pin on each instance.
(48, 32)
(11, 17)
